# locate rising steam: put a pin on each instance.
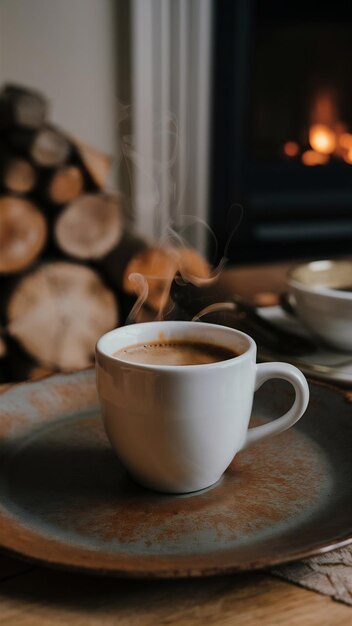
(217, 307)
(141, 288)
(164, 181)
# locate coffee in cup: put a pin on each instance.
(175, 353)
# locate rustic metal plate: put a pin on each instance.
(65, 500)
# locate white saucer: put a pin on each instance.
(324, 364)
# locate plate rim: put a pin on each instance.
(171, 573)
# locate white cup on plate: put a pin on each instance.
(176, 428)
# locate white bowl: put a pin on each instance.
(322, 304)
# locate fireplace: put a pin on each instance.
(282, 128)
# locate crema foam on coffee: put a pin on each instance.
(175, 353)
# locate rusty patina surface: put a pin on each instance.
(65, 499)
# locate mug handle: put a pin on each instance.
(285, 371)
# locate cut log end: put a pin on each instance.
(58, 312)
(19, 176)
(65, 185)
(90, 227)
(23, 233)
(50, 148)
(159, 265)
(22, 107)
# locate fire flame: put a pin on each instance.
(310, 157)
(345, 141)
(322, 139)
(328, 136)
(348, 156)
(291, 148)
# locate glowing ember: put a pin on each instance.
(291, 148)
(322, 139)
(348, 156)
(310, 157)
(328, 135)
(345, 141)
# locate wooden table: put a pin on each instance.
(36, 596)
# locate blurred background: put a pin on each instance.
(282, 126)
(149, 136)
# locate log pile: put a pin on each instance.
(66, 253)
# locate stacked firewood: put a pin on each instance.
(66, 252)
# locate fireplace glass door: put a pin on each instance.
(282, 129)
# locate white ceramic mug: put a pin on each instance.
(176, 428)
(322, 307)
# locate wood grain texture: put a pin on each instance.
(79, 305)
(43, 598)
(90, 227)
(19, 176)
(23, 233)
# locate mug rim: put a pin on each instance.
(251, 348)
(323, 290)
